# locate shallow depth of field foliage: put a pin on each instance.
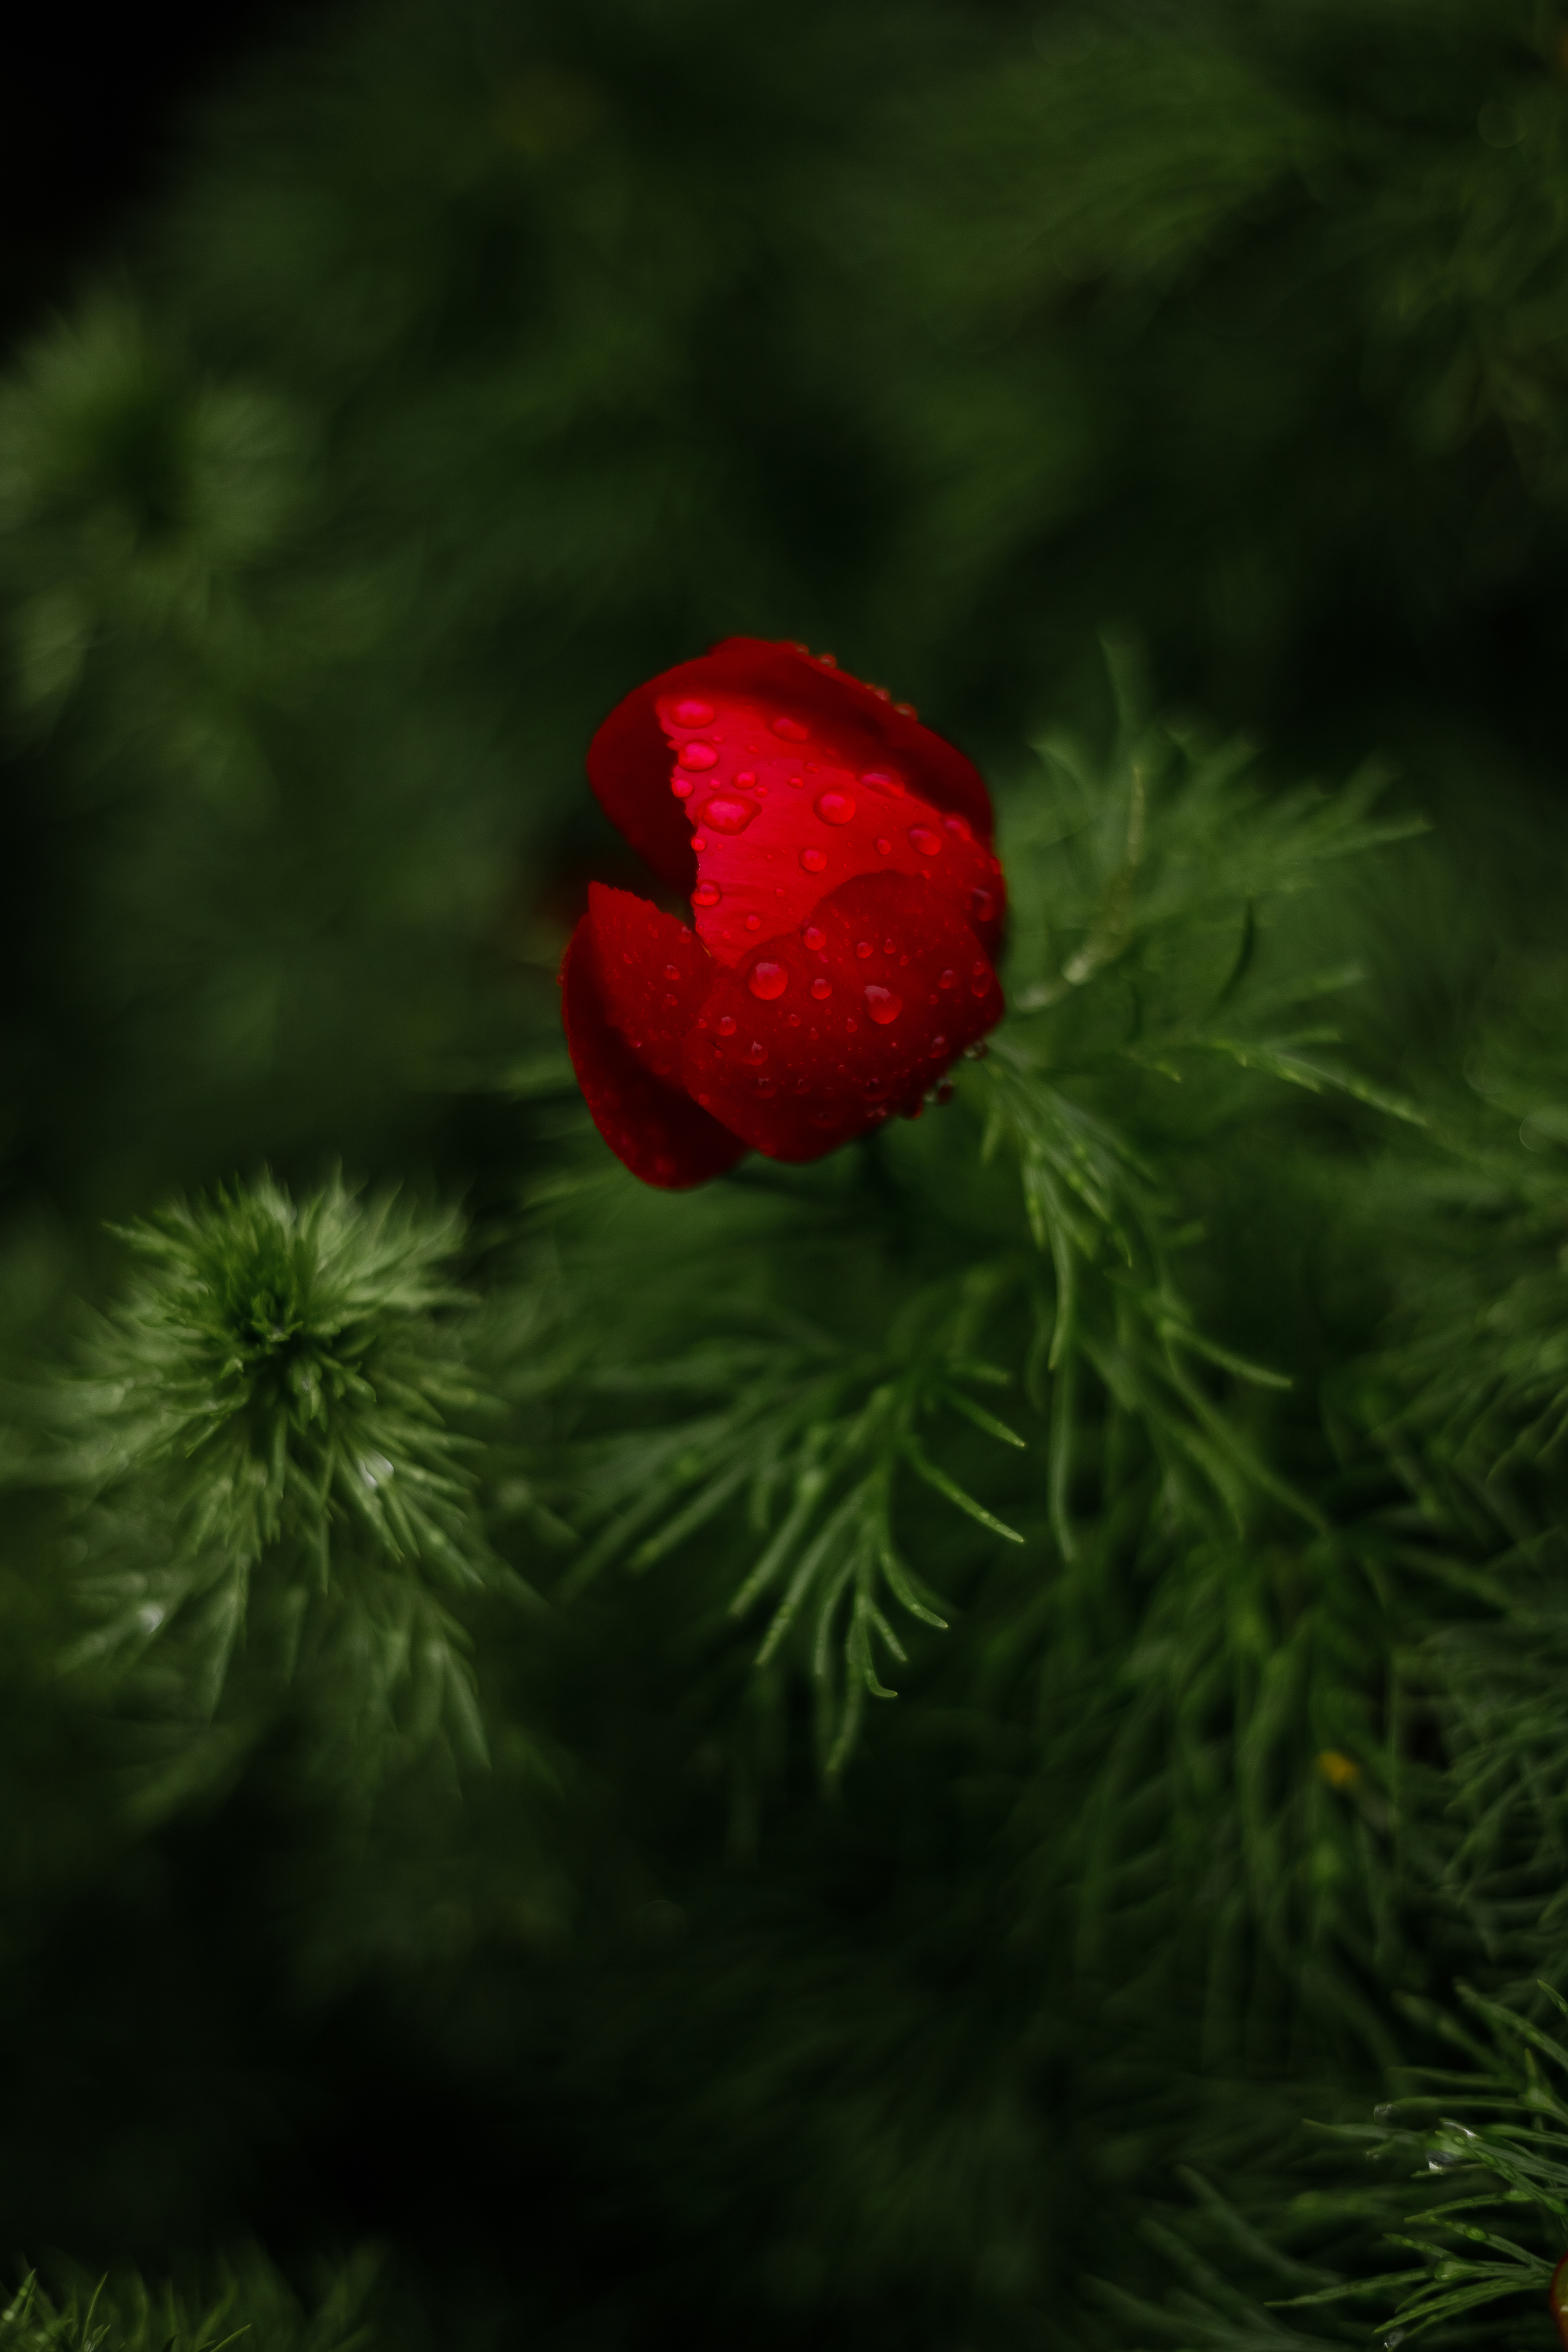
(962, 1747)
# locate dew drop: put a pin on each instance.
(979, 979)
(875, 1090)
(943, 1091)
(883, 1005)
(705, 895)
(798, 784)
(852, 1026)
(905, 710)
(880, 783)
(981, 905)
(756, 1051)
(948, 980)
(699, 842)
(822, 1117)
(768, 980)
(827, 661)
(958, 826)
(938, 1043)
(671, 1003)
(884, 846)
(698, 755)
(790, 730)
(815, 938)
(924, 842)
(692, 713)
(795, 1021)
(767, 1087)
(976, 1053)
(889, 947)
(753, 922)
(814, 860)
(863, 948)
(681, 787)
(725, 1024)
(746, 776)
(821, 987)
(726, 814)
(672, 971)
(834, 808)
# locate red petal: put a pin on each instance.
(797, 1073)
(656, 1127)
(654, 975)
(780, 823)
(629, 760)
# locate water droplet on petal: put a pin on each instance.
(725, 1024)
(670, 1003)
(880, 782)
(681, 787)
(814, 860)
(924, 842)
(976, 1053)
(790, 730)
(756, 1051)
(827, 661)
(875, 1090)
(863, 948)
(889, 947)
(698, 755)
(767, 1087)
(883, 1005)
(905, 710)
(815, 940)
(958, 826)
(692, 713)
(726, 814)
(821, 987)
(705, 895)
(746, 776)
(672, 971)
(753, 922)
(884, 846)
(768, 980)
(948, 980)
(981, 905)
(823, 1118)
(834, 808)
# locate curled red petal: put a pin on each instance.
(629, 759)
(823, 1032)
(777, 822)
(654, 975)
(650, 1124)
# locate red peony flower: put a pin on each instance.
(846, 904)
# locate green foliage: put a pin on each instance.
(265, 1443)
(252, 2305)
(1482, 2153)
(1174, 1418)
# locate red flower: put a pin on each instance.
(848, 907)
